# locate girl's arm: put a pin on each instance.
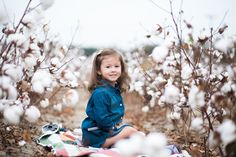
(102, 114)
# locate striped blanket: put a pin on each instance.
(69, 143)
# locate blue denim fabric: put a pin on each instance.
(105, 110)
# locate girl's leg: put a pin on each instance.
(125, 133)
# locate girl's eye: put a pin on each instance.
(117, 66)
(107, 66)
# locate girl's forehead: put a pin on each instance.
(108, 58)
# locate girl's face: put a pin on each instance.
(110, 68)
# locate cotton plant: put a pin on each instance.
(151, 145)
(194, 78)
(32, 63)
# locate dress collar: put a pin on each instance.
(107, 84)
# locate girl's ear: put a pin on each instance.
(99, 72)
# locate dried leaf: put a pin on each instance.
(26, 135)
(203, 40)
(25, 86)
(68, 111)
(147, 64)
(222, 29)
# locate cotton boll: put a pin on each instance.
(227, 131)
(37, 87)
(68, 78)
(19, 39)
(231, 72)
(44, 103)
(169, 41)
(159, 53)
(226, 87)
(3, 105)
(174, 115)
(155, 140)
(24, 99)
(21, 143)
(71, 97)
(12, 114)
(154, 144)
(41, 80)
(145, 109)
(55, 62)
(32, 114)
(11, 92)
(58, 107)
(171, 94)
(186, 72)
(30, 61)
(13, 71)
(138, 86)
(134, 145)
(197, 124)
(196, 97)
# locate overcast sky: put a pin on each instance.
(125, 23)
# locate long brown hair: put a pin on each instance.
(123, 81)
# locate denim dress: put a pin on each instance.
(105, 110)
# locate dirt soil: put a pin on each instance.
(70, 118)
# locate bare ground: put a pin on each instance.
(70, 118)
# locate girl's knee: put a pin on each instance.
(131, 130)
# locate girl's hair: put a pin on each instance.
(95, 80)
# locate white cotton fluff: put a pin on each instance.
(41, 80)
(57, 107)
(32, 114)
(21, 143)
(3, 105)
(169, 41)
(227, 131)
(145, 109)
(68, 78)
(30, 61)
(196, 97)
(12, 92)
(55, 62)
(167, 68)
(231, 72)
(171, 94)
(7, 90)
(12, 114)
(186, 72)
(45, 4)
(13, 71)
(226, 87)
(174, 115)
(37, 87)
(44, 103)
(71, 98)
(138, 85)
(159, 53)
(197, 124)
(19, 39)
(131, 146)
(154, 144)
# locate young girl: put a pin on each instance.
(105, 109)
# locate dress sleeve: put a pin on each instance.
(101, 109)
